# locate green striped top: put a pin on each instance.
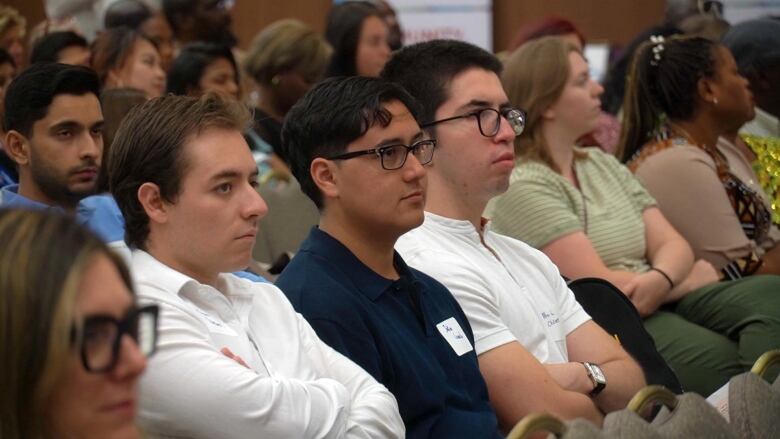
(542, 206)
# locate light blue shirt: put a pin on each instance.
(98, 213)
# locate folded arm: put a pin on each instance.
(624, 376)
(192, 389)
(374, 412)
(519, 384)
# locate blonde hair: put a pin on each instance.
(534, 77)
(10, 17)
(287, 45)
(42, 259)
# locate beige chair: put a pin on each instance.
(688, 416)
(542, 422)
(754, 405)
(291, 215)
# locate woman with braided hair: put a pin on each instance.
(683, 95)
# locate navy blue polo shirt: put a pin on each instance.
(389, 327)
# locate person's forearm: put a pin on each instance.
(617, 278)
(674, 258)
(624, 379)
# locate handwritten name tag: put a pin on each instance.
(451, 331)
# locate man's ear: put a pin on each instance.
(17, 147)
(325, 176)
(152, 202)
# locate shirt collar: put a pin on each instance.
(147, 269)
(370, 283)
(9, 197)
(456, 226)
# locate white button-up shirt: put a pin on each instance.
(295, 386)
(508, 290)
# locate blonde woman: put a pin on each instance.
(285, 60)
(73, 342)
(591, 216)
(12, 29)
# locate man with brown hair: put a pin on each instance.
(235, 359)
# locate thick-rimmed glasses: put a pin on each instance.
(99, 338)
(394, 156)
(489, 120)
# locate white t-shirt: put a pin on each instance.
(508, 290)
(295, 385)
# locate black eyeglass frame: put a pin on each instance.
(381, 149)
(124, 326)
(503, 112)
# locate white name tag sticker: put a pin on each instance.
(451, 331)
(216, 326)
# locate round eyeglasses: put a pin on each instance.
(394, 156)
(489, 120)
(99, 338)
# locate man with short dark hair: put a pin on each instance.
(66, 47)
(55, 135)
(356, 148)
(235, 360)
(513, 295)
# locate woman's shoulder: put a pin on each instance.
(678, 154)
(529, 170)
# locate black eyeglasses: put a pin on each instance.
(489, 120)
(100, 337)
(394, 156)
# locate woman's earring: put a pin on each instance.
(275, 80)
(714, 101)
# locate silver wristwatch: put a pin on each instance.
(596, 376)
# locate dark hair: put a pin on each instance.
(112, 48)
(345, 21)
(174, 9)
(187, 69)
(663, 88)
(129, 13)
(333, 114)
(149, 148)
(6, 58)
(42, 260)
(548, 26)
(28, 97)
(48, 47)
(426, 69)
(615, 80)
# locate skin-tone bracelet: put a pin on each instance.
(666, 276)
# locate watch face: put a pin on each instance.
(598, 375)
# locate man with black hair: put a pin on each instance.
(530, 332)
(236, 361)
(66, 47)
(54, 134)
(356, 148)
